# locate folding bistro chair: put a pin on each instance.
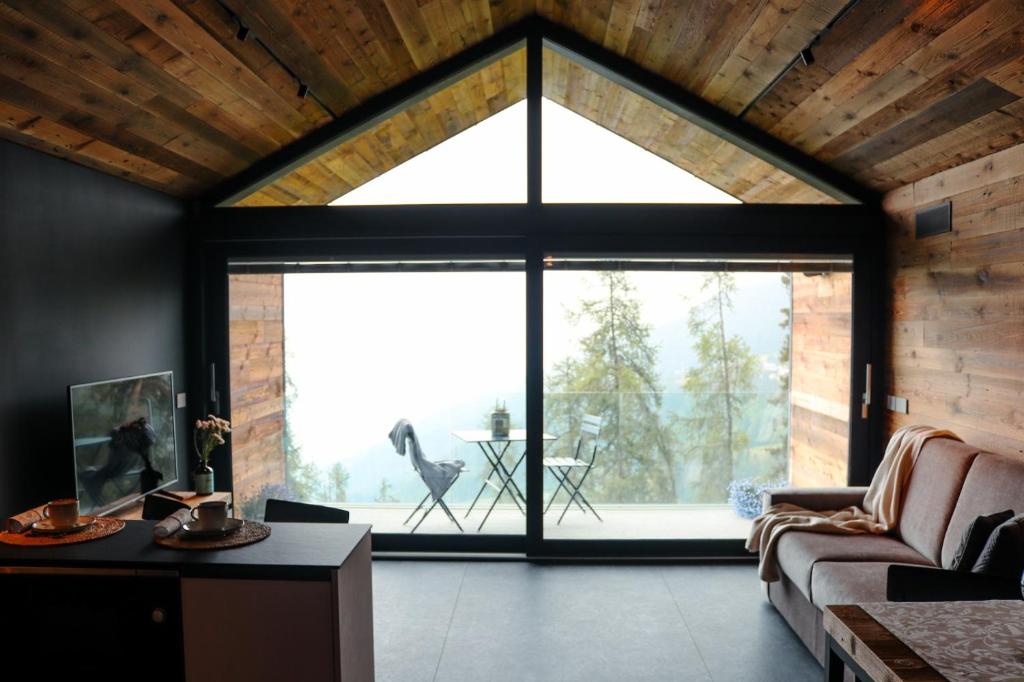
(437, 476)
(562, 467)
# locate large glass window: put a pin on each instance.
(676, 395)
(348, 355)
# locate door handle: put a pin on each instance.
(866, 396)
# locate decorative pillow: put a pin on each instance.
(974, 538)
(1003, 554)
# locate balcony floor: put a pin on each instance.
(620, 522)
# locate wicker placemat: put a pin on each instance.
(103, 527)
(249, 533)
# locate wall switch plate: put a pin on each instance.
(897, 404)
(181, 400)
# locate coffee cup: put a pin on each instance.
(211, 515)
(62, 513)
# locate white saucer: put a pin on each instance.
(193, 530)
(46, 527)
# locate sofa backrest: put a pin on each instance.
(932, 493)
(994, 483)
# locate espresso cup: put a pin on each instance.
(62, 513)
(211, 515)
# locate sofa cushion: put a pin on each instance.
(798, 551)
(849, 582)
(931, 494)
(1003, 554)
(994, 483)
(976, 537)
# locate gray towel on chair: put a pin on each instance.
(438, 476)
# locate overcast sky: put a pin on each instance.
(582, 162)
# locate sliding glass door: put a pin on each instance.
(329, 360)
(638, 406)
(678, 390)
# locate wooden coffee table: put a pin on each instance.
(858, 641)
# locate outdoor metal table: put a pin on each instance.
(494, 449)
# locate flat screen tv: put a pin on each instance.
(124, 440)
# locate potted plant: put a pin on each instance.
(745, 495)
(208, 434)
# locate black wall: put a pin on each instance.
(92, 287)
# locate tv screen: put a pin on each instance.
(124, 440)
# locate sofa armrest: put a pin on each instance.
(924, 583)
(816, 499)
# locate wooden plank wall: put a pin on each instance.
(957, 338)
(820, 379)
(256, 333)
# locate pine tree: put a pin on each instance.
(615, 377)
(780, 402)
(724, 371)
(384, 494)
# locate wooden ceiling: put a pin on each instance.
(163, 93)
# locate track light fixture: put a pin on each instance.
(806, 56)
(303, 90)
(243, 32)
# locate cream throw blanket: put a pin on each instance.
(881, 510)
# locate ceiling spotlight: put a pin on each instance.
(806, 56)
(243, 32)
(303, 90)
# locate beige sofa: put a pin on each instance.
(950, 485)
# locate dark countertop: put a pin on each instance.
(296, 551)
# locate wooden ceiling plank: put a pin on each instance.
(974, 32)
(365, 45)
(415, 34)
(258, 122)
(77, 57)
(378, 17)
(961, 74)
(759, 36)
(459, 26)
(621, 20)
(42, 75)
(772, 58)
(131, 83)
(854, 34)
(973, 102)
(95, 127)
(61, 20)
(313, 39)
(216, 21)
(28, 128)
(927, 22)
(982, 137)
(46, 142)
(172, 24)
(1010, 76)
(437, 26)
(149, 48)
(709, 36)
(664, 34)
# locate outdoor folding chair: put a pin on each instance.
(437, 476)
(562, 467)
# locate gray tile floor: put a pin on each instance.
(473, 621)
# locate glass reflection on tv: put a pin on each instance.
(124, 439)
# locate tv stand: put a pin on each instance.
(296, 606)
(133, 512)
